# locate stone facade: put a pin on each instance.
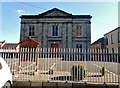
(112, 39)
(56, 28)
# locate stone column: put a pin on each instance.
(88, 34)
(44, 34)
(39, 32)
(63, 35)
(23, 31)
(69, 35)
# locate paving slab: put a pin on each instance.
(64, 85)
(40, 84)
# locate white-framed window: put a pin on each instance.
(54, 30)
(79, 30)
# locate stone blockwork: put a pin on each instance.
(72, 30)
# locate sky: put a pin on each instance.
(104, 16)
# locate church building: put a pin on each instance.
(56, 28)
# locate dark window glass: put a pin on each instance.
(54, 30)
(118, 36)
(106, 41)
(112, 39)
(31, 30)
(78, 46)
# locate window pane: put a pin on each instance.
(112, 38)
(106, 41)
(54, 30)
(78, 30)
(118, 36)
(31, 30)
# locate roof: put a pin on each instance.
(10, 45)
(55, 9)
(113, 30)
(29, 42)
(64, 14)
(1, 42)
(100, 40)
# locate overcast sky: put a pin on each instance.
(104, 16)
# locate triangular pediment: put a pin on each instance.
(55, 12)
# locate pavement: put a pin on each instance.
(47, 84)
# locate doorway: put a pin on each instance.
(54, 50)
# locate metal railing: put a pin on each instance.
(63, 64)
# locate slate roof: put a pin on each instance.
(100, 40)
(10, 45)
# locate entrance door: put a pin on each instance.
(54, 51)
(54, 46)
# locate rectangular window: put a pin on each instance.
(54, 30)
(106, 41)
(79, 47)
(79, 31)
(112, 39)
(31, 30)
(119, 37)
